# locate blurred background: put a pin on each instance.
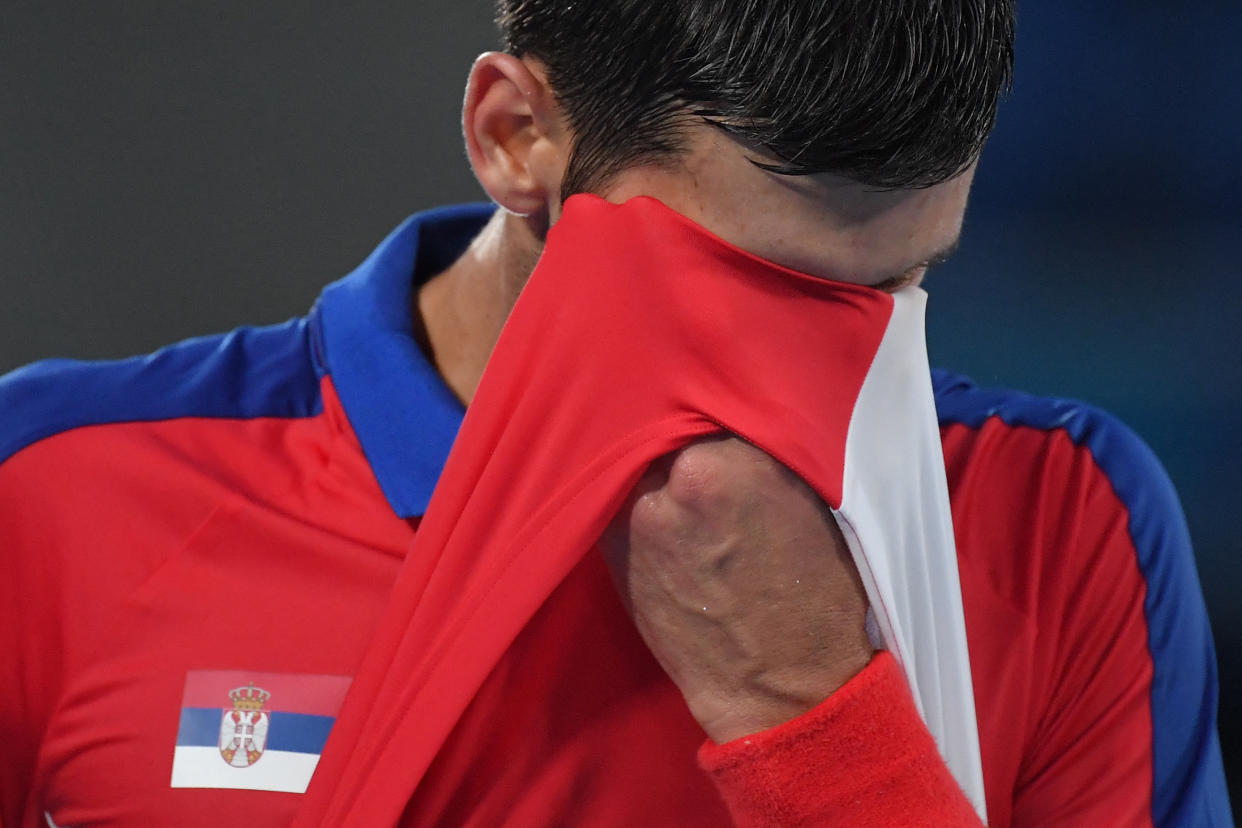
(173, 169)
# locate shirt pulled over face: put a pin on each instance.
(639, 332)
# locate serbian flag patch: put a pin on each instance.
(254, 731)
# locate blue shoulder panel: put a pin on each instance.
(1189, 781)
(251, 372)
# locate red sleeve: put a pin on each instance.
(1093, 754)
(862, 758)
(1091, 656)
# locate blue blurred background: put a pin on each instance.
(175, 169)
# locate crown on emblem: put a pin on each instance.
(249, 697)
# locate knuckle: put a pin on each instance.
(655, 522)
(648, 514)
(699, 475)
(714, 471)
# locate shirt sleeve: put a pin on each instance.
(1127, 730)
(861, 758)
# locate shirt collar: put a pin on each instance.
(404, 415)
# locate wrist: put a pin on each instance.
(771, 701)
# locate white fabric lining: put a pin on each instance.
(896, 520)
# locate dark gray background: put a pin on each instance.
(171, 169)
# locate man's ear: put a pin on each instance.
(514, 134)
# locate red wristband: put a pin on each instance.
(863, 757)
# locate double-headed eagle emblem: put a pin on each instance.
(243, 727)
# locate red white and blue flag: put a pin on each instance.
(254, 731)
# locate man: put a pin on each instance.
(189, 534)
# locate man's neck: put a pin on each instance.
(459, 313)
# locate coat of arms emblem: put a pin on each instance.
(243, 727)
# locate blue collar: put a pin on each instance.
(404, 415)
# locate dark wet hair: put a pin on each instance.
(890, 93)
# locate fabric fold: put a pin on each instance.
(637, 333)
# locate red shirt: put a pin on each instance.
(244, 503)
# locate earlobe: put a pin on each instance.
(511, 131)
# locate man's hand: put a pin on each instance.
(741, 584)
